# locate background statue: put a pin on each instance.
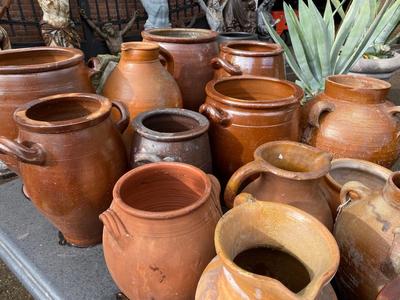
(241, 15)
(157, 12)
(57, 28)
(112, 37)
(214, 13)
(4, 39)
(265, 9)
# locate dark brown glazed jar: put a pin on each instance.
(171, 134)
(70, 154)
(192, 50)
(246, 112)
(250, 58)
(158, 233)
(352, 118)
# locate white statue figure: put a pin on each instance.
(158, 14)
(214, 13)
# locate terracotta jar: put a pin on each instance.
(30, 73)
(250, 58)
(158, 232)
(368, 234)
(192, 50)
(141, 82)
(290, 173)
(70, 154)
(285, 254)
(171, 134)
(347, 169)
(353, 119)
(246, 112)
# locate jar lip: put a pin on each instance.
(142, 46)
(203, 125)
(344, 81)
(21, 115)
(198, 35)
(295, 98)
(271, 49)
(163, 215)
(74, 56)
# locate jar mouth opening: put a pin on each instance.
(182, 35)
(139, 46)
(358, 82)
(251, 48)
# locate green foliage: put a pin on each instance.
(319, 50)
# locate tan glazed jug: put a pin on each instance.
(270, 251)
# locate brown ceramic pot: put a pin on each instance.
(274, 226)
(391, 291)
(347, 169)
(192, 50)
(171, 134)
(290, 173)
(246, 112)
(141, 82)
(353, 119)
(368, 234)
(30, 73)
(70, 154)
(250, 58)
(158, 233)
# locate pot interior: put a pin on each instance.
(372, 180)
(29, 57)
(170, 123)
(252, 47)
(162, 188)
(182, 33)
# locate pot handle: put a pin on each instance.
(215, 192)
(123, 123)
(218, 63)
(351, 191)
(317, 109)
(252, 168)
(393, 111)
(115, 226)
(94, 66)
(32, 154)
(215, 114)
(167, 60)
(243, 198)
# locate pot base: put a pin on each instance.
(63, 241)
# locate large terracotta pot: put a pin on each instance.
(158, 232)
(290, 173)
(141, 82)
(70, 154)
(344, 170)
(192, 50)
(283, 228)
(171, 134)
(353, 119)
(250, 58)
(30, 73)
(368, 234)
(246, 112)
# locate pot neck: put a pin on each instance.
(391, 191)
(139, 52)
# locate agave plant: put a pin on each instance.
(319, 50)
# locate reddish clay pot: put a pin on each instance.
(368, 234)
(141, 82)
(171, 134)
(353, 119)
(249, 58)
(246, 112)
(290, 173)
(30, 73)
(158, 232)
(275, 226)
(344, 170)
(192, 50)
(70, 154)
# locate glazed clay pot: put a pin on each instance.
(353, 119)
(70, 154)
(170, 134)
(275, 226)
(158, 232)
(141, 82)
(30, 73)
(250, 58)
(346, 169)
(192, 50)
(290, 173)
(246, 112)
(368, 234)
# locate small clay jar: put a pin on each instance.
(289, 255)
(367, 230)
(192, 50)
(158, 232)
(353, 119)
(346, 169)
(70, 154)
(236, 36)
(246, 112)
(171, 134)
(249, 58)
(290, 173)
